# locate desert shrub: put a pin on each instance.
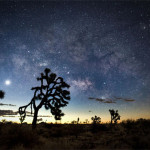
(57, 132)
(140, 125)
(138, 142)
(60, 130)
(76, 136)
(143, 123)
(13, 135)
(128, 124)
(95, 123)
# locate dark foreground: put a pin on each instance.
(126, 135)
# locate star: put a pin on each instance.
(144, 27)
(7, 82)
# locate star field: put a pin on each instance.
(101, 49)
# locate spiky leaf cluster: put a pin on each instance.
(115, 115)
(96, 120)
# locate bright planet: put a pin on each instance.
(7, 82)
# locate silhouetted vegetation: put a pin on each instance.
(114, 116)
(52, 94)
(96, 120)
(2, 94)
(78, 120)
(129, 134)
(95, 123)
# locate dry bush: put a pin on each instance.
(13, 135)
(128, 134)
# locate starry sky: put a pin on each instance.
(101, 49)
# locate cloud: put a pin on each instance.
(124, 99)
(109, 101)
(82, 84)
(11, 105)
(99, 99)
(1, 104)
(11, 113)
(44, 116)
(129, 100)
(7, 112)
(103, 100)
(40, 119)
(9, 116)
(39, 115)
(91, 98)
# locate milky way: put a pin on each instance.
(101, 49)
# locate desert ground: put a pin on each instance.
(129, 134)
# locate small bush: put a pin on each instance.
(13, 135)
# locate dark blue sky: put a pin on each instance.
(101, 49)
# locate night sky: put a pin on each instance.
(102, 49)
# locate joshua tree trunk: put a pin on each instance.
(35, 118)
(111, 119)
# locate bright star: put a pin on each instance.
(7, 82)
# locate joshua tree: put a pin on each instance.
(96, 120)
(78, 120)
(114, 116)
(73, 122)
(95, 124)
(86, 121)
(21, 119)
(2, 94)
(51, 93)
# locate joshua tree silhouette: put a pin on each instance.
(114, 116)
(73, 122)
(95, 124)
(86, 121)
(78, 120)
(96, 120)
(51, 93)
(2, 94)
